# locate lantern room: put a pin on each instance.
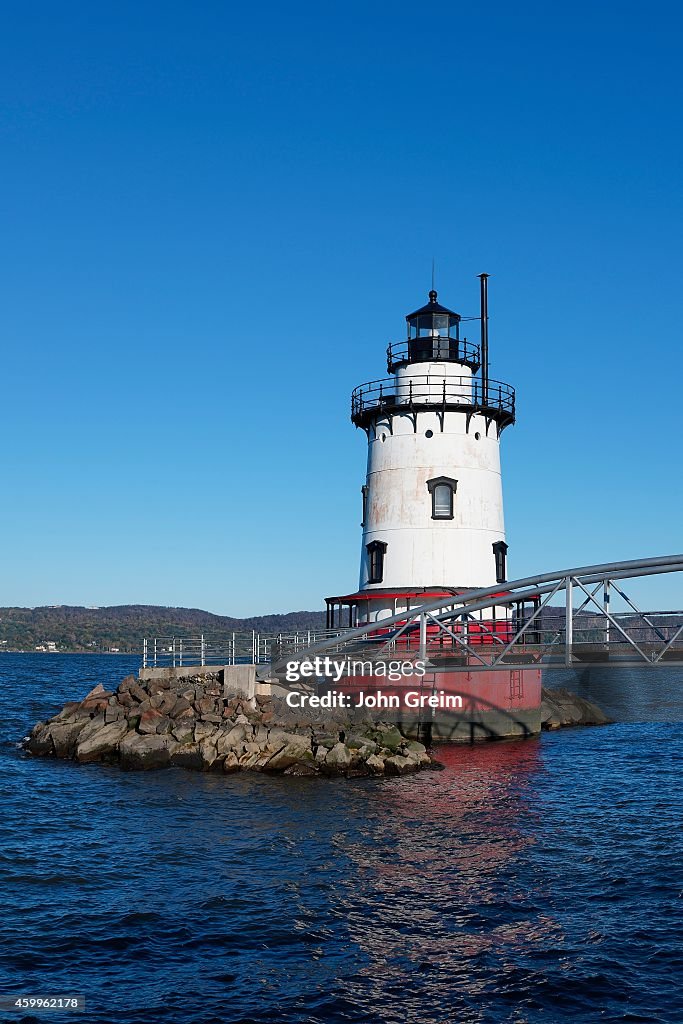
(433, 336)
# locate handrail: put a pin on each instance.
(427, 391)
(515, 590)
(519, 632)
(434, 349)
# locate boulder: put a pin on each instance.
(145, 752)
(149, 720)
(92, 726)
(157, 686)
(40, 740)
(209, 754)
(188, 756)
(65, 735)
(375, 765)
(203, 730)
(98, 692)
(114, 714)
(229, 738)
(167, 702)
(136, 691)
(398, 765)
(390, 737)
(71, 710)
(101, 744)
(206, 706)
(183, 732)
(293, 749)
(180, 705)
(231, 762)
(94, 704)
(416, 747)
(560, 707)
(339, 757)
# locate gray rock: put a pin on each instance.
(65, 735)
(181, 704)
(294, 749)
(40, 740)
(398, 765)
(203, 730)
(156, 686)
(206, 706)
(92, 727)
(149, 721)
(339, 757)
(210, 759)
(231, 762)
(145, 752)
(390, 737)
(229, 738)
(416, 747)
(136, 691)
(183, 732)
(71, 711)
(375, 764)
(188, 756)
(101, 744)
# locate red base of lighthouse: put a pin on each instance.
(500, 703)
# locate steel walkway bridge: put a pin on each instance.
(574, 617)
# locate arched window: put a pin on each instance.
(442, 490)
(376, 551)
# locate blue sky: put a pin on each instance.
(215, 217)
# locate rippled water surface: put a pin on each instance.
(535, 881)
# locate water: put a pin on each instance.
(531, 881)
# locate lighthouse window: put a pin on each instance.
(376, 550)
(500, 550)
(364, 492)
(442, 490)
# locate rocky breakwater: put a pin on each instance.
(191, 723)
(560, 708)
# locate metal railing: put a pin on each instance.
(422, 391)
(584, 629)
(420, 350)
(238, 648)
(478, 630)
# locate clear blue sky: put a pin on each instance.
(214, 217)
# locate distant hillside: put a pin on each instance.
(73, 628)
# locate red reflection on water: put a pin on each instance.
(441, 857)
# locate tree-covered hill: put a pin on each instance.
(73, 628)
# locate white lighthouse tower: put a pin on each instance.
(432, 499)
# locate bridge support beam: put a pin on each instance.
(569, 622)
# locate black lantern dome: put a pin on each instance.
(433, 336)
(433, 319)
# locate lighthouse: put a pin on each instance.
(432, 501)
